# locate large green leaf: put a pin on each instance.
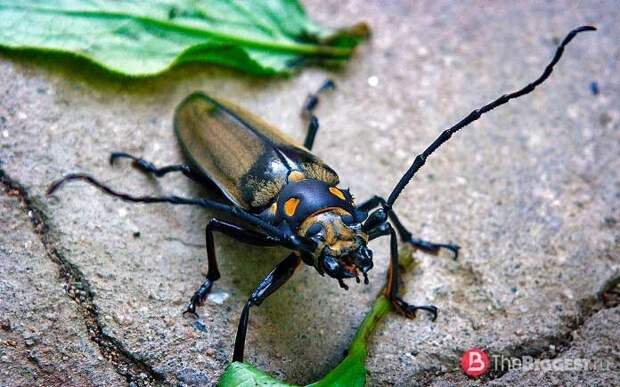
(145, 37)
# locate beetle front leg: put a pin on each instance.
(391, 288)
(272, 282)
(213, 273)
(405, 235)
(377, 226)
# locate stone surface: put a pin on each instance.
(596, 342)
(530, 192)
(43, 339)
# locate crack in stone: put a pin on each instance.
(608, 297)
(135, 370)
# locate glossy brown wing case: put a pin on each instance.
(248, 159)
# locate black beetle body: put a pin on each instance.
(258, 168)
(280, 194)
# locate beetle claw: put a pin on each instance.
(342, 284)
(191, 310)
(409, 310)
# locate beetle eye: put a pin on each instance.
(314, 229)
(347, 219)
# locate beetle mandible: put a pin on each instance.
(280, 194)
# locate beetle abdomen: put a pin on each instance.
(248, 159)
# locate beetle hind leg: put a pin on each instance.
(312, 100)
(148, 167)
(307, 112)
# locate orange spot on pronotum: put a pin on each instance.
(336, 192)
(290, 206)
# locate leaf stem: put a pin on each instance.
(351, 370)
(380, 308)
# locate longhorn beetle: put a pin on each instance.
(277, 193)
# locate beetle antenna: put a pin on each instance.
(420, 159)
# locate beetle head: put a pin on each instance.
(342, 250)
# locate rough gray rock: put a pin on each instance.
(596, 342)
(43, 339)
(530, 192)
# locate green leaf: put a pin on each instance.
(146, 37)
(244, 375)
(350, 372)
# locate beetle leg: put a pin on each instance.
(312, 100)
(391, 288)
(150, 168)
(213, 273)
(307, 111)
(287, 240)
(405, 235)
(313, 127)
(272, 282)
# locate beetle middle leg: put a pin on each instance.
(405, 235)
(213, 274)
(307, 111)
(150, 168)
(272, 282)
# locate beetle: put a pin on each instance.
(278, 193)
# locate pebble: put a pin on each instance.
(5, 325)
(373, 81)
(218, 297)
(200, 325)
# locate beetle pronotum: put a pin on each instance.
(278, 193)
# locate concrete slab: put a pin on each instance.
(530, 192)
